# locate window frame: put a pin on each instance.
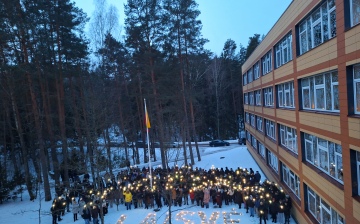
(250, 76)
(319, 147)
(283, 45)
(259, 123)
(262, 150)
(258, 97)
(321, 206)
(252, 120)
(246, 98)
(266, 63)
(285, 94)
(247, 117)
(268, 94)
(256, 70)
(310, 24)
(285, 132)
(251, 99)
(291, 177)
(317, 84)
(245, 82)
(352, 24)
(270, 128)
(273, 161)
(355, 82)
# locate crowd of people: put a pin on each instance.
(178, 186)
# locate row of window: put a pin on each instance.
(323, 154)
(318, 92)
(316, 206)
(318, 27)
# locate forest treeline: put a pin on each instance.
(61, 91)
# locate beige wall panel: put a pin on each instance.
(289, 115)
(284, 70)
(269, 111)
(357, 148)
(318, 55)
(245, 88)
(270, 145)
(289, 159)
(267, 78)
(258, 109)
(329, 190)
(257, 82)
(319, 71)
(251, 129)
(260, 136)
(356, 209)
(321, 121)
(354, 127)
(246, 107)
(294, 9)
(352, 40)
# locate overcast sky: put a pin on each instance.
(222, 19)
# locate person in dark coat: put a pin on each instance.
(86, 214)
(257, 177)
(250, 204)
(262, 212)
(273, 210)
(95, 211)
(287, 209)
(219, 198)
(238, 198)
(158, 199)
(53, 213)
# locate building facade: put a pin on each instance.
(302, 108)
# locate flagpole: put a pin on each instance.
(147, 124)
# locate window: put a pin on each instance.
(355, 171)
(254, 142)
(356, 77)
(291, 180)
(273, 161)
(245, 79)
(258, 97)
(283, 51)
(248, 136)
(320, 209)
(318, 27)
(268, 97)
(321, 92)
(259, 123)
(270, 129)
(256, 71)
(325, 155)
(247, 117)
(250, 75)
(288, 138)
(262, 150)
(252, 120)
(246, 98)
(358, 170)
(354, 12)
(266, 63)
(285, 93)
(251, 96)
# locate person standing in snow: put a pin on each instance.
(75, 208)
(86, 214)
(206, 197)
(128, 199)
(219, 198)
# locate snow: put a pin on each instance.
(232, 156)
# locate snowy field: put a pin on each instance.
(232, 156)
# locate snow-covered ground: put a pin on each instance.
(232, 156)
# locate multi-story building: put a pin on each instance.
(302, 108)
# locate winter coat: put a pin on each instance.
(86, 213)
(219, 198)
(206, 196)
(173, 194)
(192, 195)
(128, 196)
(75, 207)
(95, 211)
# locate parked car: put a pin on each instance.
(218, 142)
(171, 144)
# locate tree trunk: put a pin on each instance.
(194, 130)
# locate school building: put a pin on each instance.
(301, 92)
